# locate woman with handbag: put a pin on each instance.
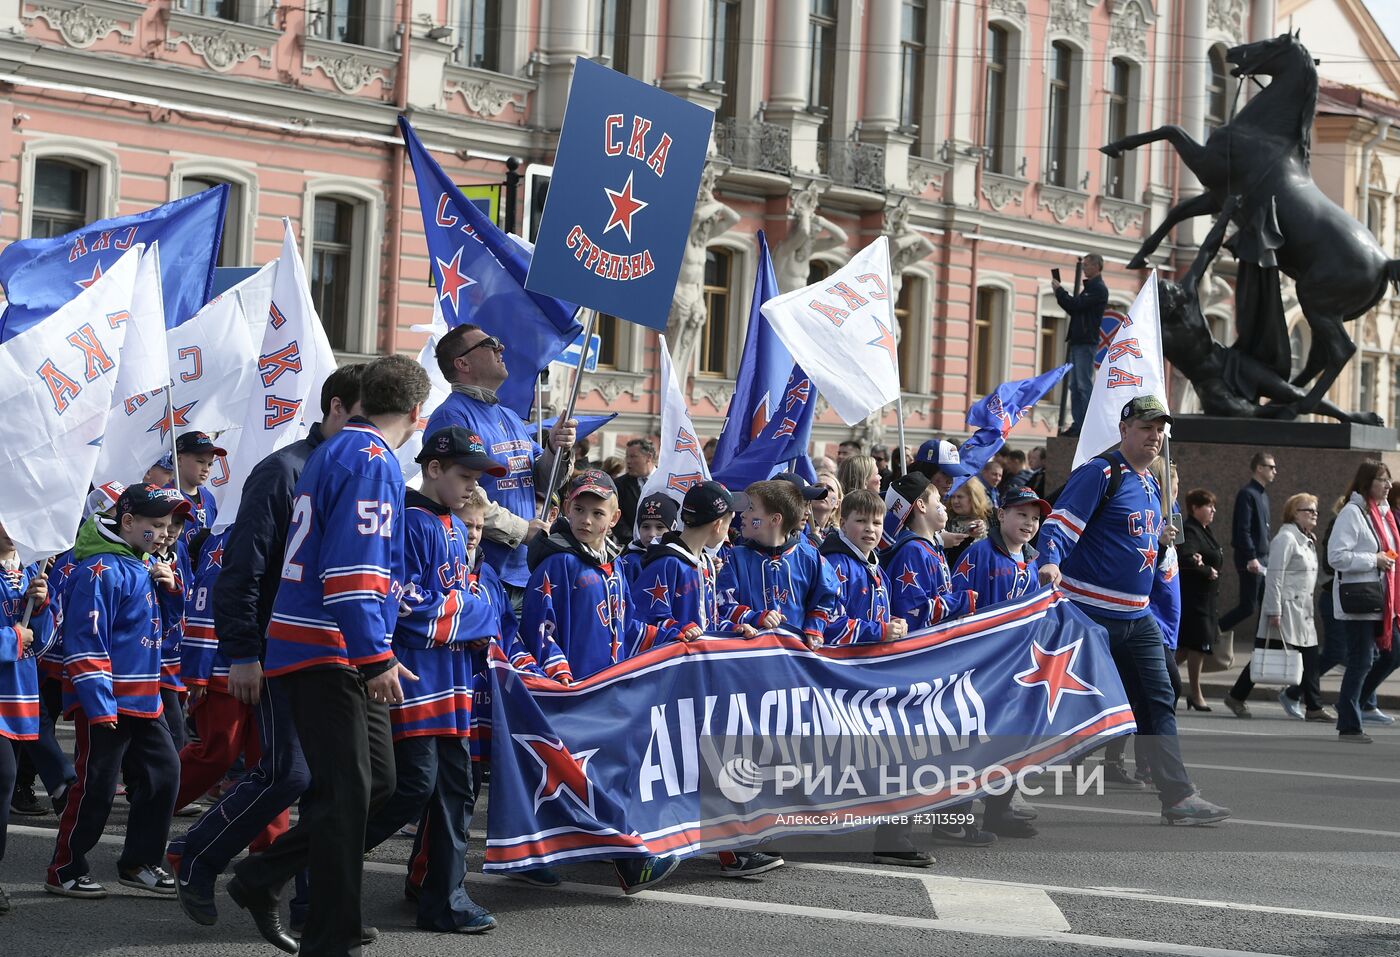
(1200, 557)
(1286, 649)
(1362, 550)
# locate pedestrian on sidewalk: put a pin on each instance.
(1201, 558)
(1287, 611)
(1250, 538)
(1362, 550)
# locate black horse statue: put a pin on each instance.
(1283, 220)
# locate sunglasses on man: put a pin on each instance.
(490, 342)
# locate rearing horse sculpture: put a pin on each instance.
(1283, 219)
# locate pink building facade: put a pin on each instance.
(965, 132)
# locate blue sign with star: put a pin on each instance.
(613, 237)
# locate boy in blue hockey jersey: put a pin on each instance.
(921, 584)
(195, 453)
(773, 576)
(862, 610)
(171, 551)
(656, 516)
(20, 646)
(1004, 565)
(443, 612)
(111, 642)
(676, 586)
(576, 620)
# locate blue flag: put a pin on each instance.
(698, 766)
(627, 173)
(479, 275)
(40, 276)
(994, 416)
(587, 424)
(772, 407)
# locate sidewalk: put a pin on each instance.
(1215, 685)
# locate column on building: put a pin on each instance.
(880, 119)
(565, 33)
(685, 53)
(787, 96)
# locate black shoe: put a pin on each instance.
(1192, 706)
(904, 858)
(368, 935)
(749, 864)
(261, 905)
(196, 896)
(1008, 826)
(1354, 737)
(59, 798)
(1117, 778)
(967, 835)
(24, 804)
(635, 874)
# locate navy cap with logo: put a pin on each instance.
(708, 501)
(197, 442)
(943, 456)
(1025, 496)
(462, 446)
(1149, 408)
(590, 482)
(658, 507)
(151, 501)
(810, 492)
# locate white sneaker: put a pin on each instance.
(153, 880)
(1291, 707)
(1376, 716)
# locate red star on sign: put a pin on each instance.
(545, 589)
(908, 579)
(885, 340)
(565, 774)
(624, 207)
(452, 280)
(1055, 671)
(97, 569)
(659, 594)
(96, 275)
(179, 414)
(374, 450)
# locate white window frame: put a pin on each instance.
(102, 161)
(364, 299)
(244, 177)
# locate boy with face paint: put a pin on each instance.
(111, 639)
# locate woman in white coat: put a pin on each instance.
(1362, 551)
(1288, 600)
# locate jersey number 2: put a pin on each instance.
(292, 570)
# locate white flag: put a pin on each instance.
(680, 459)
(211, 370)
(293, 363)
(841, 331)
(1131, 367)
(57, 380)
(438, 390)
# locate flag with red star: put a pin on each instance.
(614, 228)
(681, 463)
(478, 274)
(841, 331)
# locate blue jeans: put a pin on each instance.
(1081, 380)
(1136, 645)
(1353, 645)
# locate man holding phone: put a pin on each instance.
(1085, 309)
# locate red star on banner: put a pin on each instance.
(545, 589)
(624, 207)
(451, 283)
(565, 774)
(97, 569)
(374, 450)
(908, 579)
(181, 415)
(660, 594)
(886, 340)
(96, 275)
(1055, 671)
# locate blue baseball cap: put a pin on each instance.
(810, 492)
(152, 501)
(462, 446)
(197, 442)
(1023, 495)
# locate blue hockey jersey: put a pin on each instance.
(342, 574)
(203, 511)
(172, 602)
(674, 589)
(792, 579)
(576, 620)
(19, 668)
(111, 630)
(509, 441)
(1165, 600)
(861, 612)
(201, 663)
(489, 583)
(1107, 564)
(629, 563)
(988, 569)
(921, 585)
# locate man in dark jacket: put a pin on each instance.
(1085, 317)
(1250, 536)
(243, 597)
(641, 462)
